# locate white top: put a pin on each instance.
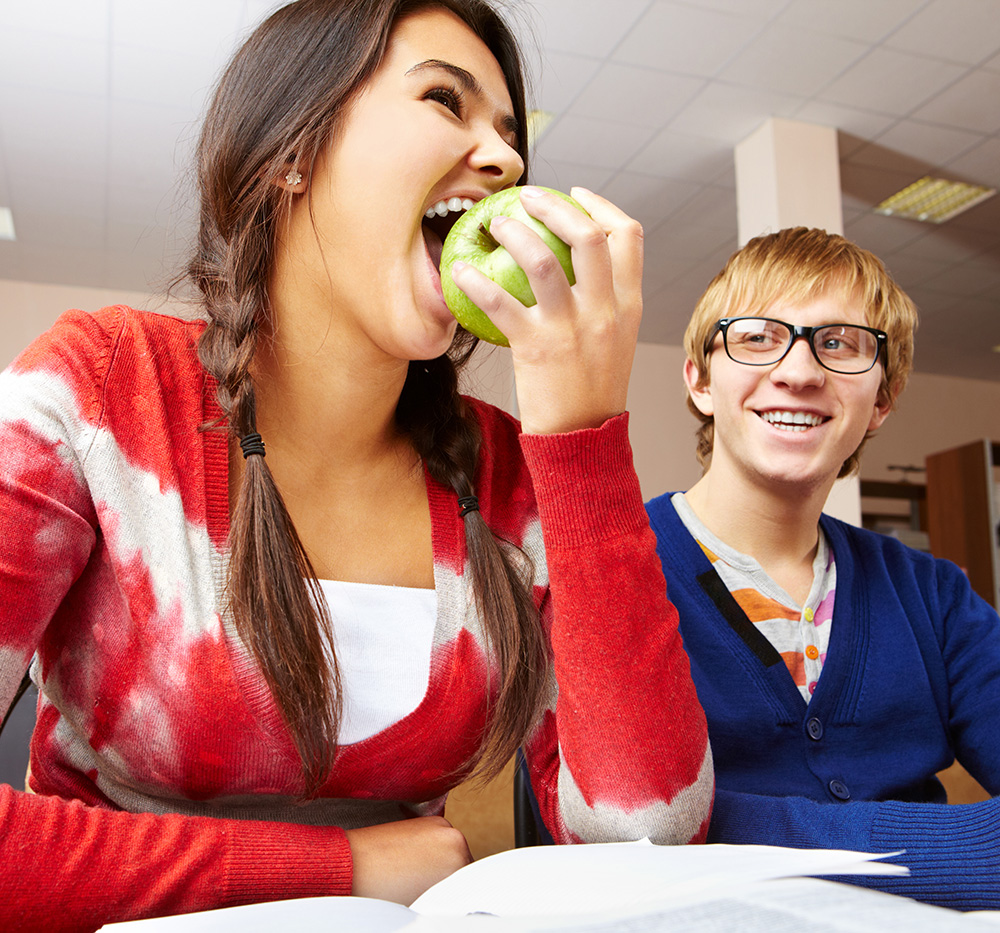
(383, 637)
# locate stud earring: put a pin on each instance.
(293, 178)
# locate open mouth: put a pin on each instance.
(792, 420)
(438, 220)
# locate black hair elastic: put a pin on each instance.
(468, 504)
(251, 444)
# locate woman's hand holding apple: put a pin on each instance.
(573, 350)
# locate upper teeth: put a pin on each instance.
(452, 204)
(796, 420)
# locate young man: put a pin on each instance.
(839, 670)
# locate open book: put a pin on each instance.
(610, 888)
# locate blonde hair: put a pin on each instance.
(796, 265)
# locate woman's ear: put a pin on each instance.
(292, 181)
(700, 390)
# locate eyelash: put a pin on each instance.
(450, 97)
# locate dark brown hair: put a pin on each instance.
(279, 104)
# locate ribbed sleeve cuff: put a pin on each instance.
(585, 483)
(277, 861)
(952, 851)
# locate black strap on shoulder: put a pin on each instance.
(718, 592)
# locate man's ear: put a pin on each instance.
(701, 395)
(883, 405)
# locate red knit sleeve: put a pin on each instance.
(623, 752)
(73, 867)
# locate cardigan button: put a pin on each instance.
(839, 790)
(815, 729)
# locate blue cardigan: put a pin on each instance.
(911, 681)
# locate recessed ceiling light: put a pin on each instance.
(6, 224)
(538, 120)
(933, 200)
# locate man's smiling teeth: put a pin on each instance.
(792, 420)
(451, 205)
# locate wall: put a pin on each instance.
(27, 309)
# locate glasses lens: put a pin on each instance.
(845, 349)
(756, 340)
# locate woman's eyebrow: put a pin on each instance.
(469, 83)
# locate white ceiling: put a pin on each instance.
(99, 105)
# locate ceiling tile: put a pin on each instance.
(883, 235)
(584, 27)
(967, 279)
(188, 26)
(863, 186)
(689, 244)
(38, 61)
(793, 60)
(852, 19)
(676, 155)
(933, 144)
(77, 19)
(874, 82)
(632, 94)
(647, 198)
(858, 122)
(157, 76)
(764, 9)
(910, 272)
(606, 143)
(916, 146)
(150, 145)
(941, 30)
(980, 165)
(687, 39)
(972, 103)
(559, 80)
(731, 113)
(710, 207)
(80, 123)
(554, 173)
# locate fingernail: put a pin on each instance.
(530, 191)
(458, 265)
(498, 220)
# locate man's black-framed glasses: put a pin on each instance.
(763, 341)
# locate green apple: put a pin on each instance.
(469, 241)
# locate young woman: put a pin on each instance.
(282, 585)
(838, 669)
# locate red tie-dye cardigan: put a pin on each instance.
(164, 779)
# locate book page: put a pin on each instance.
(357, 914)
(789, 905)
(587, 879)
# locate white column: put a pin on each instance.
(788, 175)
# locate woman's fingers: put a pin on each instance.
(623, 239)
(573, 349)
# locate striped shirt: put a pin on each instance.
(800, 634)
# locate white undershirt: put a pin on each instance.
(383, 637)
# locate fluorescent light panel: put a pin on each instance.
(933, 200)
(6, 224)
